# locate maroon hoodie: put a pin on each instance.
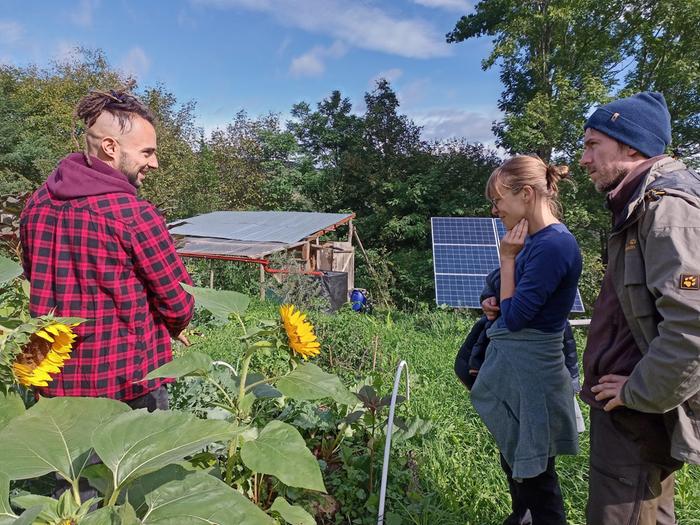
(73, 178)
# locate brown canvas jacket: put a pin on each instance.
(655, 259)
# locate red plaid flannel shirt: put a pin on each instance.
(110, 259)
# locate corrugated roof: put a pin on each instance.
(258, 226)
(204, 246)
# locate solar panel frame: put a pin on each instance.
(451, 235)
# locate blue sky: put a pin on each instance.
(266, 55)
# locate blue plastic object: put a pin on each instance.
(358, 299)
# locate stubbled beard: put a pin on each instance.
(620, 173)
(126, 170)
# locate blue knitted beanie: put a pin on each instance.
(641, 121)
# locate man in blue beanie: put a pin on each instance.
(642, 358)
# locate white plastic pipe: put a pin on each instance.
(389, 431)
(224, 363)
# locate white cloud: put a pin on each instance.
(356, 24)
(82, 16)
(221, 117)
(184, 19)
(444, 123)
(135, 63)
(65, 51)
(391, 75)
(413, 92)
(451, 5)
(308, 64)
(10, 32)
(284, 45)
(312, 63)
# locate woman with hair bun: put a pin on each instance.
(523, 391)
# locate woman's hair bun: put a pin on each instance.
(556, 173)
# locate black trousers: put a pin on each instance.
(155, 400)
(540, 495)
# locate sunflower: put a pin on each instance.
(300, 332)
(45, 353)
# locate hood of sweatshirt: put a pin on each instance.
(74, 178)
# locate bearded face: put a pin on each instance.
(604, 159)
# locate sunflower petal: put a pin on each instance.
(44, 335)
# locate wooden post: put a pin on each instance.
(369, 265)
(262, 282)
(315, 255)
(351, 230)
(211, 273)
(306, 255)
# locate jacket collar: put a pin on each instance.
(635, 205)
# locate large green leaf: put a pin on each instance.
(198, 499)
(136, 492)
(281, 451)
(54, 436)
(27, 501)
(293, 514)
(6, 515)
(11, 406)
(9, 269)
(138, 442)
(221, 303)
(190, 364)
(100, 478)
(309, 382)
(28, 517)
(117, 515)
(263, 390)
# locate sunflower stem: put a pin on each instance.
(240, 321)
(113, 498)
(341, 434)
(222, 390)
(76, 492)
(232, 447)
(242, 378)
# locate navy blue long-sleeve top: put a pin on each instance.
(546, 276)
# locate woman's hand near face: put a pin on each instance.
(514, 240)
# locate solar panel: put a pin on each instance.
(465, 251)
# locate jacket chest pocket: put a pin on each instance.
(641, 300)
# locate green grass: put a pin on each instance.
(458, 468)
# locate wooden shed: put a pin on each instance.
(254, 236)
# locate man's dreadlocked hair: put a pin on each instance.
(119, 102)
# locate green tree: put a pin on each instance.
(255, 165)
(557, 57)
(37, 126)
(665, 56)
(171, 186)
(377, 166)
(390, 178)
(15, 154)
(38, 109)
(330, 140)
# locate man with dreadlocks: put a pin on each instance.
(93, 249)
